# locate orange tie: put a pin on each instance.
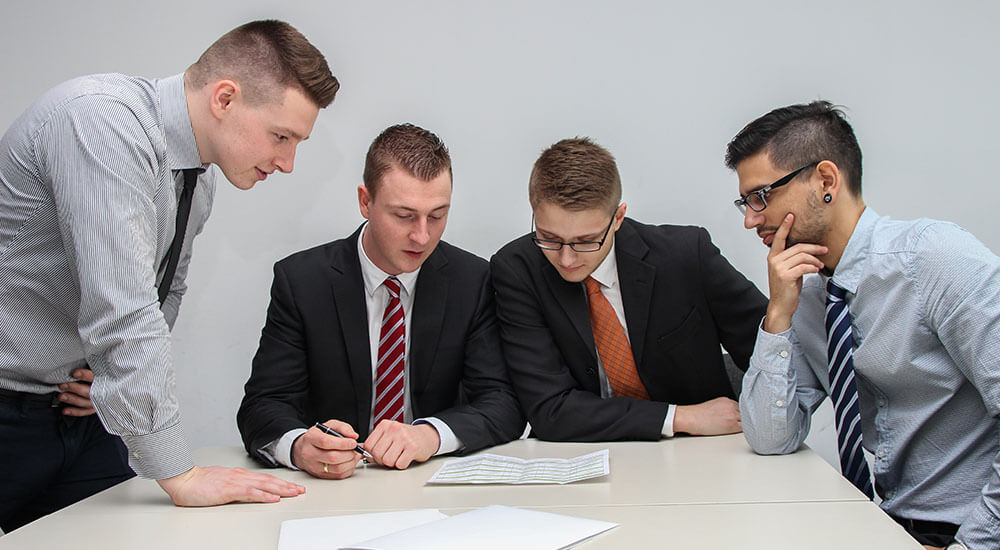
(612, 345)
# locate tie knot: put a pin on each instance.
(392, 285)
(593, 286)
(834, 292)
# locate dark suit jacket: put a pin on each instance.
(314, 360)
(681, 298)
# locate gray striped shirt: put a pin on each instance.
(89, 180)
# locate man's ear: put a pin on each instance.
(364, 200)
(224, 94)
(620, 215)
(831, 179)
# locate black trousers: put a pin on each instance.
(49, 461)
(931, 533)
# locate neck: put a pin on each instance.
(198, 112)
(840, 230)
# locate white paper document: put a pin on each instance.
(333, 532)
(493, 527)
(490, 468)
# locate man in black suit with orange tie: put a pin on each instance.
(611, 328)
(388, 337)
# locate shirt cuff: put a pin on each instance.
(283, 448)
(160, 455)
(668, 421)
(773, 352)
(449, 441)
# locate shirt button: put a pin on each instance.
(881, 402)
(881, 454)
(779, 403)
(783, 354)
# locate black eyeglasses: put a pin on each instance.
(581, 246)
(757, 200)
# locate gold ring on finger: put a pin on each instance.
(326, 468)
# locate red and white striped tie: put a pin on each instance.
(391, 352)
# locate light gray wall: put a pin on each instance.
(663, 85)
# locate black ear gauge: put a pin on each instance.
(827, 198)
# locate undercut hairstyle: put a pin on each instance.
(576, 174)
(410, 148)
(797, 135)
(265, 58)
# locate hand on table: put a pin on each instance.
(75, 396)
(215, 485)
(397, 445)
(715, 417)
(785, 269)
(327, 456)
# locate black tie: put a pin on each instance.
(183, 212)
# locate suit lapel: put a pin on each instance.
(349, 299)
(636, 279)
(429, 305)
(573, 301)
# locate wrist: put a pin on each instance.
(171, 485)
(776, 322)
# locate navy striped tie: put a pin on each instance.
(843, 390)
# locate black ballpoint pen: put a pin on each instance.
(330, 431)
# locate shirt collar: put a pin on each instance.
(182, 149)
(852, 261)
(374, 277)
(607, 272)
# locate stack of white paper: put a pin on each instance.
(493, 527)
(490, 468)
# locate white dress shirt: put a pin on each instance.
(607, 275)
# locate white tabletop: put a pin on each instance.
(711, 492)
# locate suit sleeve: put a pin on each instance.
(556, 406)
(736, 304)
(277, 391)
(490, 413)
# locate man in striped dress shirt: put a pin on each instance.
(89, 181)
(898, 322)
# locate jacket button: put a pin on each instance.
(591, 371)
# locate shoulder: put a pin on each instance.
(666, 242)
(927, 241)
(519, 252)
(453, 259)
(320, 255)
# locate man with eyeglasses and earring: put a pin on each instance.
(898, 322)
(611, 328)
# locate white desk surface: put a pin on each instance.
(709, 492)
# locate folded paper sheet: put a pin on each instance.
(490, 468)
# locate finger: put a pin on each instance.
(78, 411)
(253, 494)
(801, 270)
(392, 457)
(271, 484)
(326, 442)
(77, 388)
(336, 458)
(780, 236)
(808, 248)
(75, 400)
(83, 375)
(343, 428)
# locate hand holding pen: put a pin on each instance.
(330, 431)
(327, 455)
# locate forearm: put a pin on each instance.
(775, 410)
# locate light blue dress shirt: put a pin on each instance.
(924, 297)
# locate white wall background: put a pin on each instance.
(663, 85)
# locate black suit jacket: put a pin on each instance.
(681, 299)
(314, 360)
